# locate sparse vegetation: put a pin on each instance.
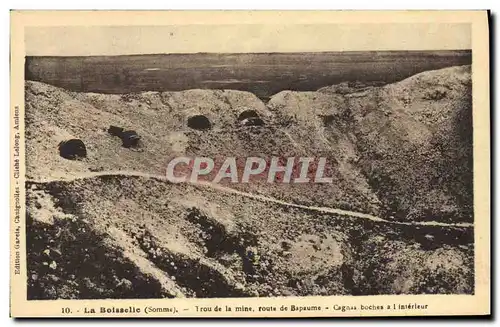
(405, 156)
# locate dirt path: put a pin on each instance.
(262, 198)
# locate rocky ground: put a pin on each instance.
(402, 152)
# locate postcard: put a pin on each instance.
(250, 163)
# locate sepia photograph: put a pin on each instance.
(294, 161)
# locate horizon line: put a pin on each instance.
(244, 53)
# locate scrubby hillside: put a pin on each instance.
(414, 139)
(110, 226)
(114, 236)
(401, 150)
(161, 119)
(53, 114)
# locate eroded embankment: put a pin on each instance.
(136, 236)
(401, 150)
